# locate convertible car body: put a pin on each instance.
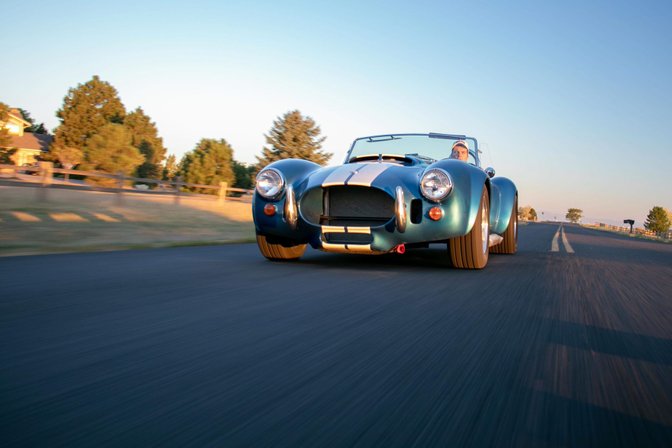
(393, 191)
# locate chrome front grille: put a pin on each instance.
(345, 205)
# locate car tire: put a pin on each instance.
(509, 244)
(471, 251)
(278, 252)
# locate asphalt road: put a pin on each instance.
(215, 346)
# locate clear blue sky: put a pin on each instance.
(572, 100)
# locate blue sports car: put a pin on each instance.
(393, 192)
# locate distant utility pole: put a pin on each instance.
(629, 221)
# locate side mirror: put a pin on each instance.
(490, 171)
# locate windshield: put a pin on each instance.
(428, 146)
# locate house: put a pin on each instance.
(27, 144)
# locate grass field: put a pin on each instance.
(76, 221)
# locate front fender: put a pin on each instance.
(295, 172)
(464, 201)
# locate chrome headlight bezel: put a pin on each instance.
(442, 184)
(270, 183)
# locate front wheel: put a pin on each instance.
(278, 252)
(471, 251)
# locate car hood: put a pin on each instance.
(383, 175)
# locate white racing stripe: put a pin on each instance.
(554, 243)
(340, 175)
(568, 247)
(365, 176)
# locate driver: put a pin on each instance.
(460, 151)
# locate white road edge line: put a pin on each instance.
(568, 247)
(554, 243)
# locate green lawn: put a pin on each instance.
(75, 221)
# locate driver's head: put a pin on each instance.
(460, 151)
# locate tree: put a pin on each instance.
(110, 150)
(170, 168)
(574, 214)
(4, 132)
(293, 136)
(35, 128)
(148, 169)
(532, 214)
(243, 175)
(86, 110)
(657, 220)
(145, 137)
(208, 163)
(67, 156)
(524, 212)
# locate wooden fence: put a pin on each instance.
(45, 172)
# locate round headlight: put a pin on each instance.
(270, 183)
(435, 184)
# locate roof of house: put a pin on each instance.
(16, 113)
(30, 140)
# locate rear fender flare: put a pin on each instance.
(503, 197)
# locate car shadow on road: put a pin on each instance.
(434, 258)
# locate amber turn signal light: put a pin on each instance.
(269, 209)
(435, 213)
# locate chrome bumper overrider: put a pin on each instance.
(400, 209)
(291, 210)
(346, 248)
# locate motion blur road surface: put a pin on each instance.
(215, 346)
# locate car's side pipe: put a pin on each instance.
(400, 209)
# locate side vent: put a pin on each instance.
(416, 211)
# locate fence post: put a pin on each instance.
(178, 183)
(46, 176)
(222, 192)
(120, 188)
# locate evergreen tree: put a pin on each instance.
(35, 128)
(293, 136)
(657, 220)
(86, 109)
(147, 169)
(574, 214)
(209, 163)
(110, 150)
(145, 137)
(170, 168)
(243, 175)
